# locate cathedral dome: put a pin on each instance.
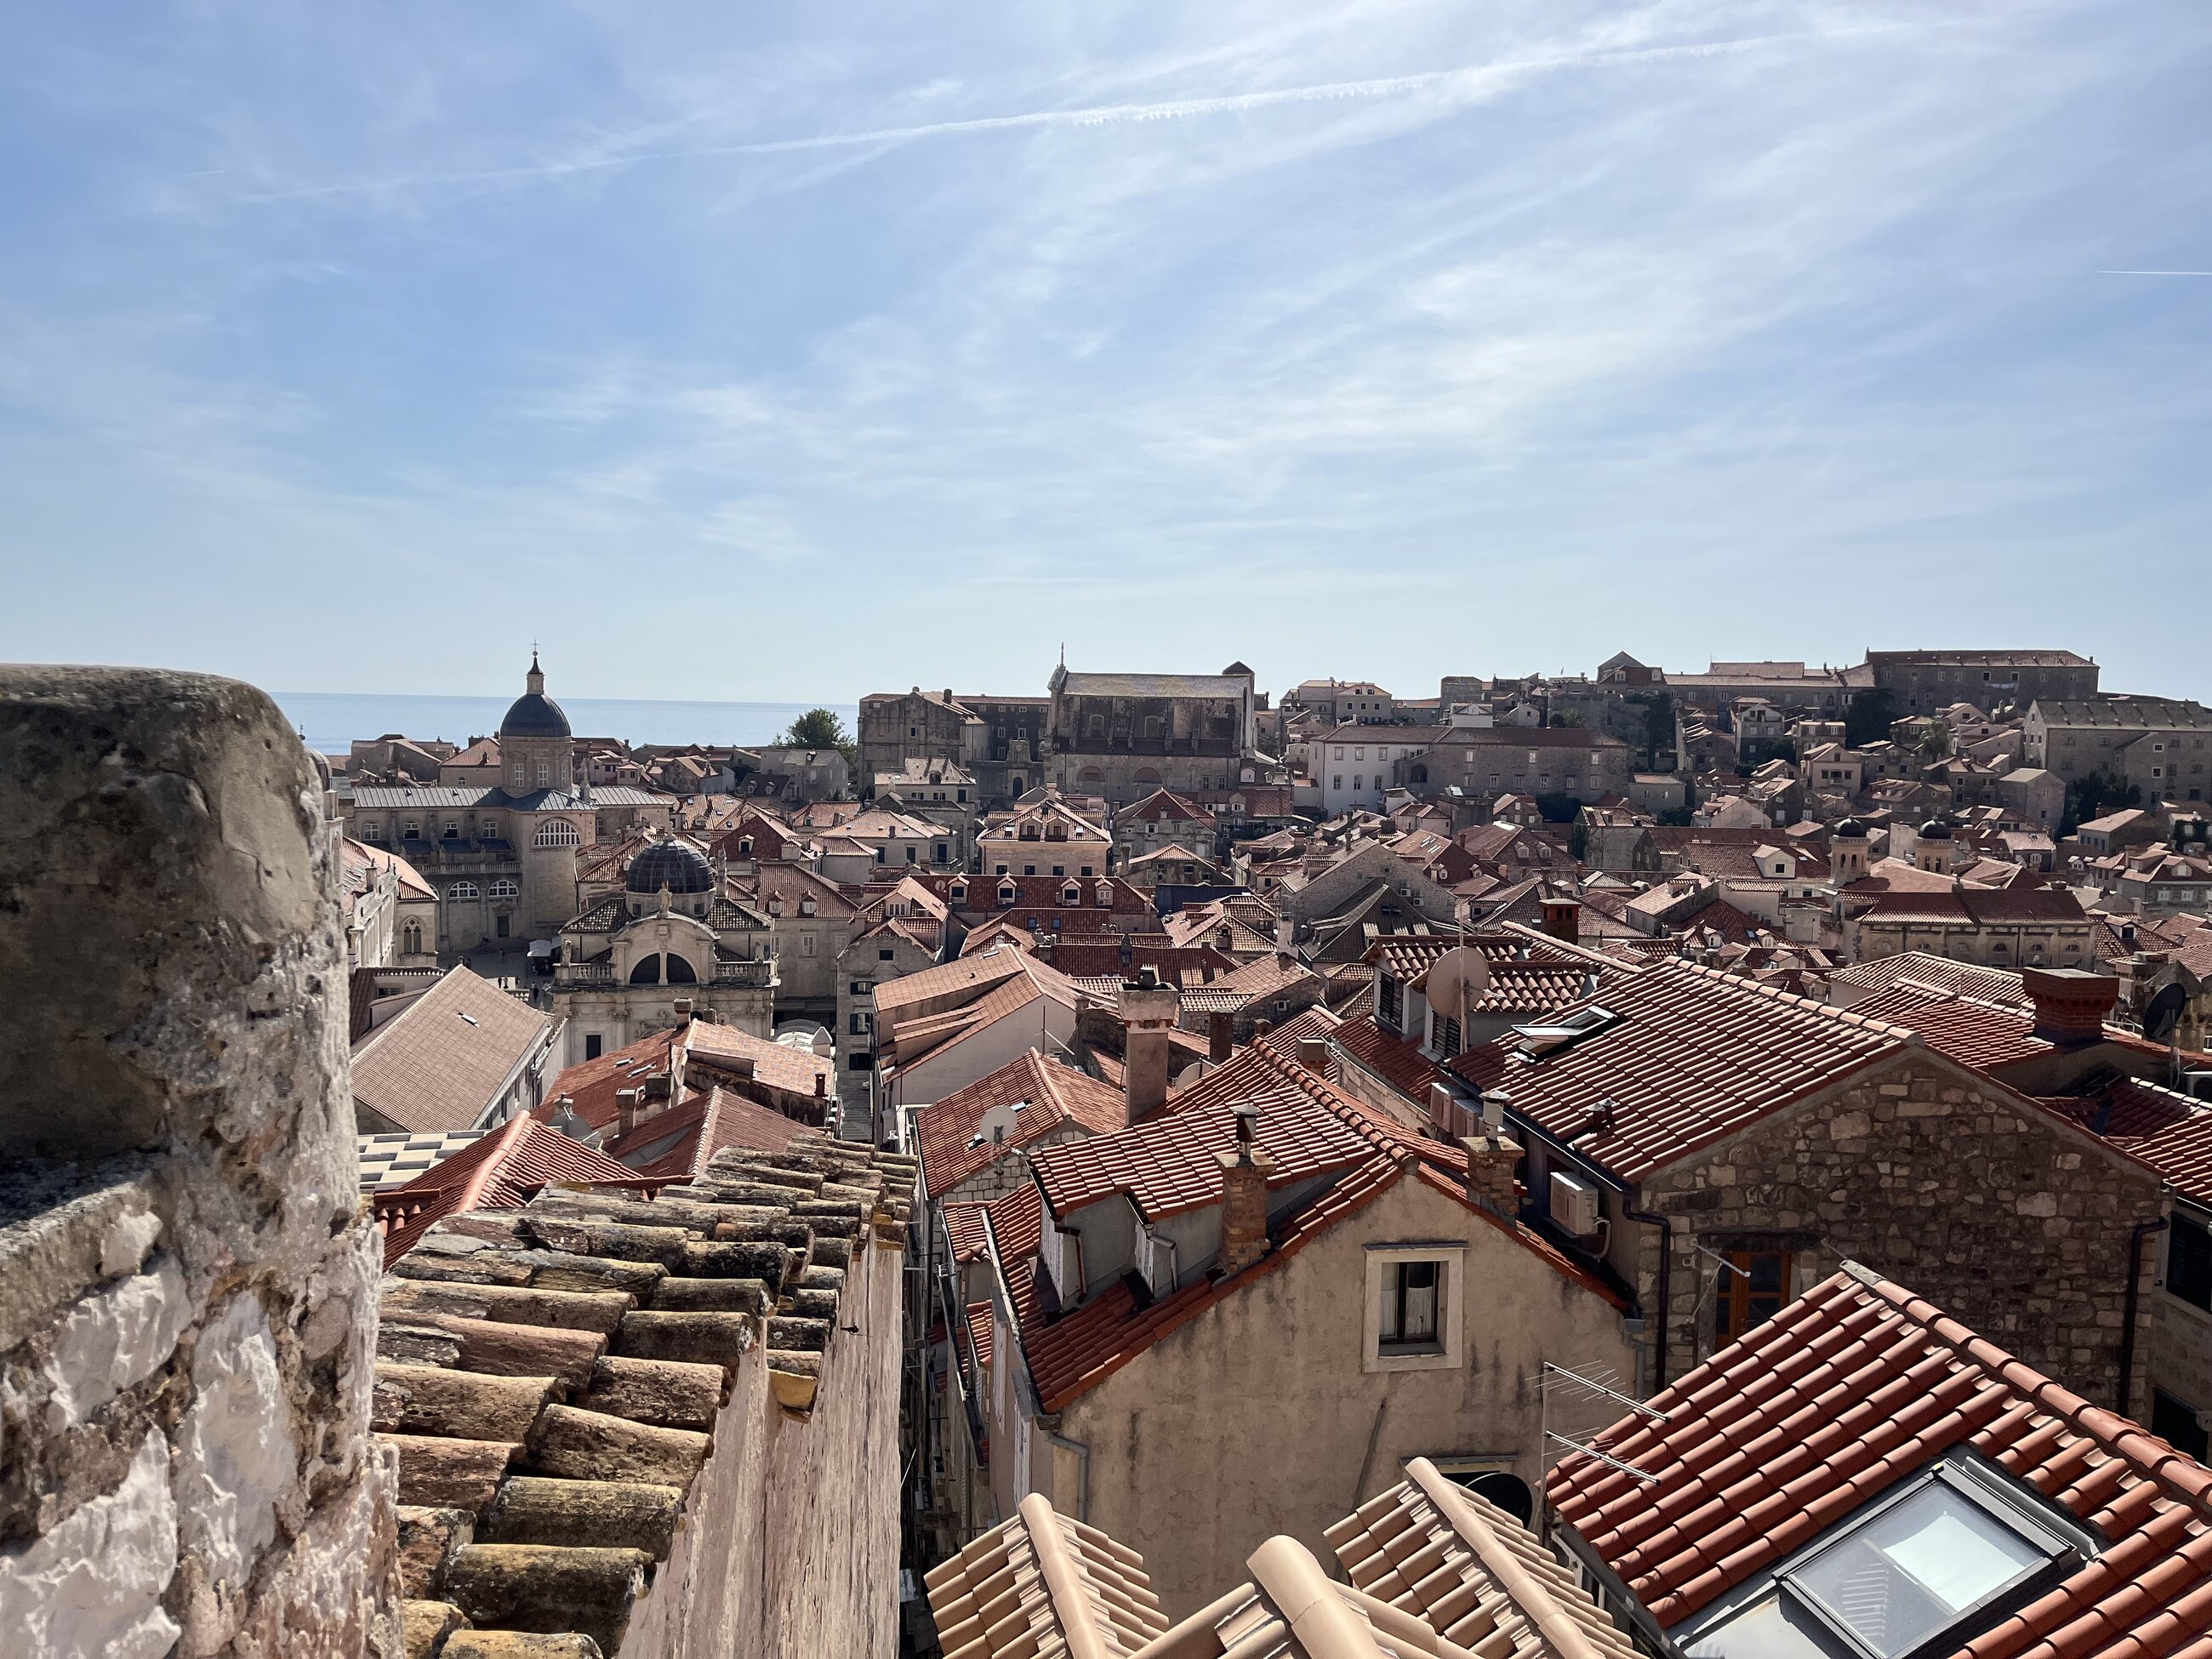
(678, 865)
(1849, 830)
(1934, 830)
(534, 714)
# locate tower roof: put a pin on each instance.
(534, 714)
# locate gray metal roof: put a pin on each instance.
(1152, 685)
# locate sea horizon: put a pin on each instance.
(334, 721)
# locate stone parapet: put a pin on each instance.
(186, 1273)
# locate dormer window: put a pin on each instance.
(1104, 896)
(1007, 892)
(806, 906)
(957, 892)
(1071, 894)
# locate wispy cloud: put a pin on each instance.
(1448, 88)
(1383, 336)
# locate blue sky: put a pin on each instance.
(793, 351)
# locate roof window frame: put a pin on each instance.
(2066, 1542)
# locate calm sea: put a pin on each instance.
(331, 721)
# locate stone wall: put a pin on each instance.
(186, 1273)
(2011, 1220)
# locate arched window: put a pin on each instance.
(501, 889)
(1091, 774)
(680, 972)
(462, 890)
(557, 832)
(648, 971)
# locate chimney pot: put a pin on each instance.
(625, 1110)
(683, 1007)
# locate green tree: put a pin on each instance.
(1867, 720)
(1567, 717)
(1935, 741)
(817, 728)
(821, 728)
(2092, 795)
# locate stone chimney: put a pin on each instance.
(1313, 1054)
(1220, 1029)
(1260, 1027)
(625, 1110)
(1148, 1016)
(1563, 920)
(2070, 1004)
(1244, 1175)
(1491, 1158)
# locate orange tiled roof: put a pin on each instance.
(1397, 1062)
(1696, 1056)
(1051, 1095)
(501, 1171)
(1851, 1387)
(1168, 1164)
(1165, 1166)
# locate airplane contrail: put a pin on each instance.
(1468, 82)
(2154, 273)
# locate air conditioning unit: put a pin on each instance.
(1574, 1205)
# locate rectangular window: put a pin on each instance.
(1448, 1038)
(2189, 1262)
(1752, 1292)
(1413, 1292)
(1391, 999)
(592, 1045)
(2175, 1423)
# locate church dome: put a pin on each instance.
(1934, 830)
(678, 865)
(1849, 830)
(534, 714)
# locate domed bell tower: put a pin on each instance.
(537, 753)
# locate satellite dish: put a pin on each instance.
(1457, 980)
(2164, 1012)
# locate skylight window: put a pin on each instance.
(1940, 1558)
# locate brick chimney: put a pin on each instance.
(1148, 1016)
(2070, 1004)
(1563, 920)
(1220, 1031)
(1244, 1175)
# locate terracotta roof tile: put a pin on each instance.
(1849, 1387)
(1694, 1055)
(1050, 1095)
(624, 1386)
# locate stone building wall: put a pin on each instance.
(2011, 1220)
(186, 1273)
